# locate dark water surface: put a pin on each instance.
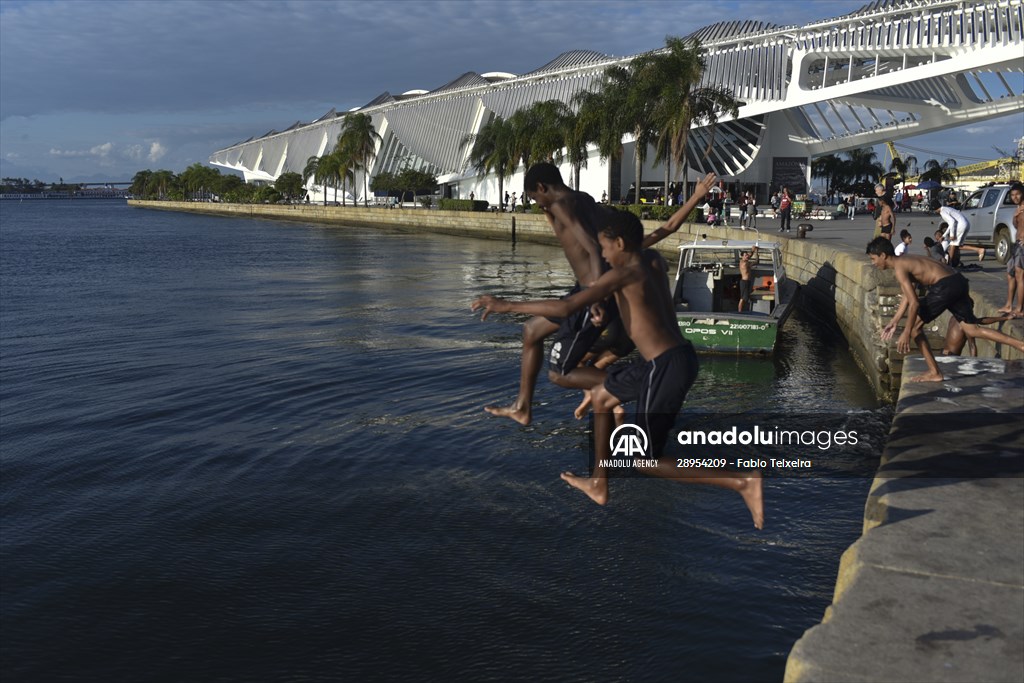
(236, 450)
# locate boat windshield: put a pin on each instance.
(702, 258)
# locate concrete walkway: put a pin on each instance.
(988, 285)
(934, 589)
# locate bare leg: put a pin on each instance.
(596, 486)
(580, 377)
(535, 331)
(1018, 275)
(933, 374)
(747, 484)
(992, 335)
(1011, 289)
(584, 407)
(977, 250)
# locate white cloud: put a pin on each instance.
(133, 152)
(156, 151)
(98, 151)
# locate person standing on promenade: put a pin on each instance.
(947, 290)
(1015, 263)
(572, 217)
(657, 383)
(885, 220)
(785, 209)
(957, 227)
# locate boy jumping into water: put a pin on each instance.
(572, 218)
(947, 290)
(658, 382)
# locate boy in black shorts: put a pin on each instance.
(947, 290)
(658, 382)
(572, 216)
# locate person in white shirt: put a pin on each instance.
(905, 240)
(956, 232)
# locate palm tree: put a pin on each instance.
(140, 182)
(596, 123)
(946, 172)
(633, 93)
(319, 169)
(492, 152)
(681, 104)
(358, 140)
(832, 168)
(547, 131)
(863, 164)
(159, 181)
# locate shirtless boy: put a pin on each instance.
(1015, 262)
(745, 277)
(947, 289)
(658, 382)
(572, 218)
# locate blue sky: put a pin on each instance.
(96, 90)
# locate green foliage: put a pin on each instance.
(290, 185)
(463, 205)
(267, 194)
(416, 182)
(426, 201)
(384, 182)
(659, 212)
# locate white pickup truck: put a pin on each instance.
(990, 212)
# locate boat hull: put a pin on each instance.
(724, 333)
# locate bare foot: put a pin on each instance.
(521, 416)
(752, 491)
(584, 407)
(981, 255)
(620, 415)
(928, 377)
(596, 488)
(1006, 309)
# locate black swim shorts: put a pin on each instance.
(745, 290)
(951, 293)
(658, 387)
(576, 335)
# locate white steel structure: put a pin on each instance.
(893, 69)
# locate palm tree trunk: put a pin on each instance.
(668, 174)
(638, 169)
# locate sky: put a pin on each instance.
(93, 91)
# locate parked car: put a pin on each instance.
(990, 212)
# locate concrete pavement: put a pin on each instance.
(934, 589)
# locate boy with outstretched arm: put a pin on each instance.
(572, 217)
(947, 290)
(658, 382)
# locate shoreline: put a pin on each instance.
(839, 285)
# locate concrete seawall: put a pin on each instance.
(840, 286)
(934, 588)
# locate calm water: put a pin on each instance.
(236, 450)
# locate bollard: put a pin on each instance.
(803, 229)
